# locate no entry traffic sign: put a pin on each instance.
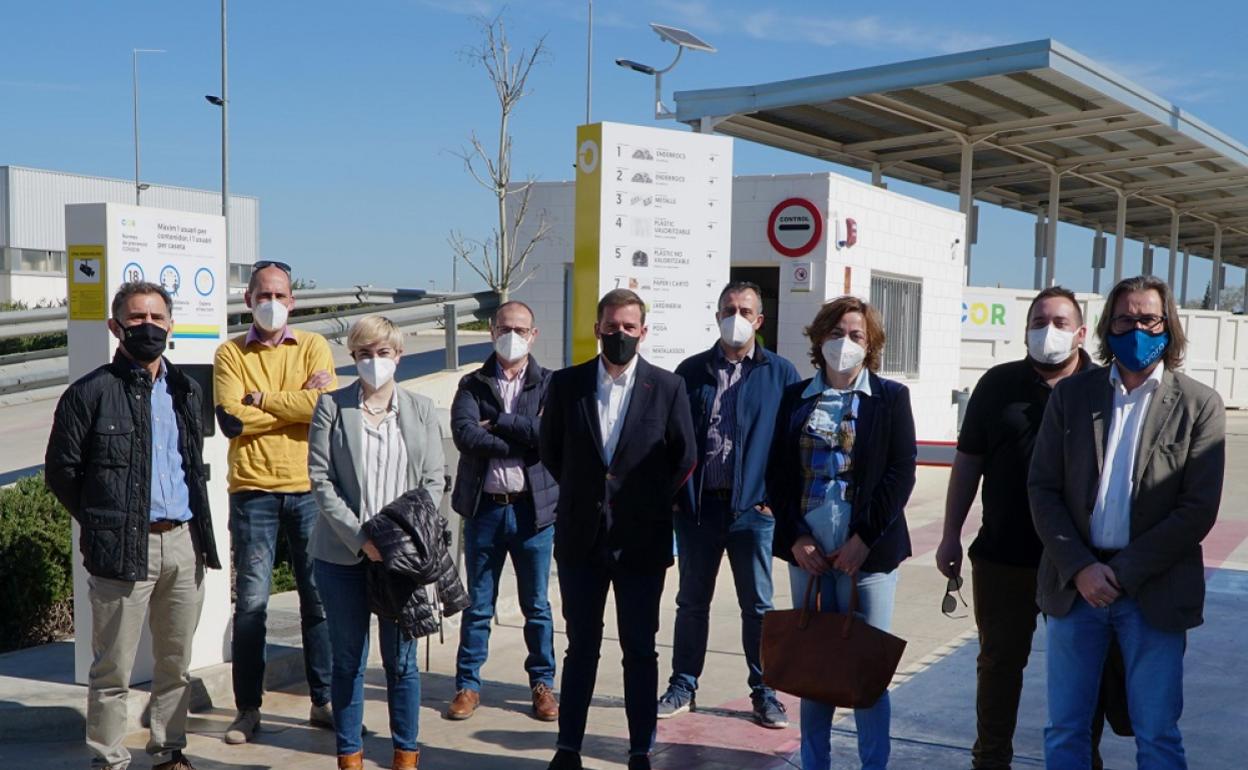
(795, 227)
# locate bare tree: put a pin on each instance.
(500, 258)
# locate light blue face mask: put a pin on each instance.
(1137, 349)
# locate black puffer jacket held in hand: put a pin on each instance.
(415, 584)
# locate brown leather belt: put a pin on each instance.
(163, 526)
(507, 498)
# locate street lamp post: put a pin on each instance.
(139, 187)
(223, 101)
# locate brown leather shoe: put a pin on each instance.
(545, 707)
(464, 704)
(351, 761)
(405, 760)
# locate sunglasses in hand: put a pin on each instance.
(949, 603)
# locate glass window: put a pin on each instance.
(39, 261)
(900, 302)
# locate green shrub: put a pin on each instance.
(36, 567)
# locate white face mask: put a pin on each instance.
(270, 315)
(376, 371)
(842, 355)
(511, 347)
(1049, 345)
(735, 331)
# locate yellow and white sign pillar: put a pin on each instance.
(110, 244)
(653, 214)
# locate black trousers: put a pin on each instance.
(1006, 612)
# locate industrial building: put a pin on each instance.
(32, 225)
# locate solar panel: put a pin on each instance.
(682, 38)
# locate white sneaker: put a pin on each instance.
(321, 716)
(243, 728)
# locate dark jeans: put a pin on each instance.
(345, 591)
(495, 532)
(256, 518)
(637, 594)
(701, 544)
(1005, 612)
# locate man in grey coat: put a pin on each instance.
(1125, 483)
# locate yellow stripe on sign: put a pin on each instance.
(586, 245)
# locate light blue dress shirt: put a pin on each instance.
(171, 499)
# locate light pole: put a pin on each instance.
(223, 101)
(139, 187)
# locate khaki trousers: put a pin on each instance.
(171, 596)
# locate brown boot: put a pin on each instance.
(545, 707)
(351, 761)
(405, 760)
(464, 704)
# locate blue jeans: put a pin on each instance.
(1077, 644)
(637, 594)
(255, 521)
(701, 544)
(495, 532)
(345, 591)
(876, 591)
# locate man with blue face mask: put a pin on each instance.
(1125, 483)
(266, 384)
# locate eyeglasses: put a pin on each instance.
(523, 331)
(949, 604)
(1121, 324)
(262, 264)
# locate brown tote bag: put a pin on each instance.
(831, 657)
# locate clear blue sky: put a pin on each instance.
(342, 114)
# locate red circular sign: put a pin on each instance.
(795, 227)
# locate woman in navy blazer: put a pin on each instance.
(841, 470)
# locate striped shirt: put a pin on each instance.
(386, 473)
(506, 474)
(718, 467)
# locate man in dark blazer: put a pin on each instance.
(617, 436)
(1125, 483)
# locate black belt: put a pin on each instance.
(507, 498)
(163, 525)
(718, 494)
(1104, 555)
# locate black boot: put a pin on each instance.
(567, 760)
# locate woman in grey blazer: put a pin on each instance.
(368, 443)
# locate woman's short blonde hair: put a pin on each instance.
(374, 330)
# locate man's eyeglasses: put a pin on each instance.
(949, 604)
(1121, 324)
(262, 264)
(523, 331)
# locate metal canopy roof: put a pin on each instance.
(1027, 111)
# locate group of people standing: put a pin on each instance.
(597, 466)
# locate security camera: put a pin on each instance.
(644, 69)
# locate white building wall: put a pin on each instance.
(896, 235)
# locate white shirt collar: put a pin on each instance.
(818, 385)
(1152, 383)
(625, 379)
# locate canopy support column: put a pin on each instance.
(1120, 235)
(1174, 247)
(1215, 281)
(1187, 258)
(1098, 258)
(1050, 240)
(966, 199)
(877, 175)
(1038, 253)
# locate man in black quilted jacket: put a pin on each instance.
(507, 499)
(125, 458)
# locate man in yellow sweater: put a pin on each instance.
(266, 383)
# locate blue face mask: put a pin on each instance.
(1137, 349)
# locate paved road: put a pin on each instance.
(24, 427)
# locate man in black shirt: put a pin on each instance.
(996, 441)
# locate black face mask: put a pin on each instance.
(144, 342)
(619, 348)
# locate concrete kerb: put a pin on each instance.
(39, 700)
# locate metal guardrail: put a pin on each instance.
(48, 368)
(51, 320)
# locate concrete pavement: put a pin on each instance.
(933, 700)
